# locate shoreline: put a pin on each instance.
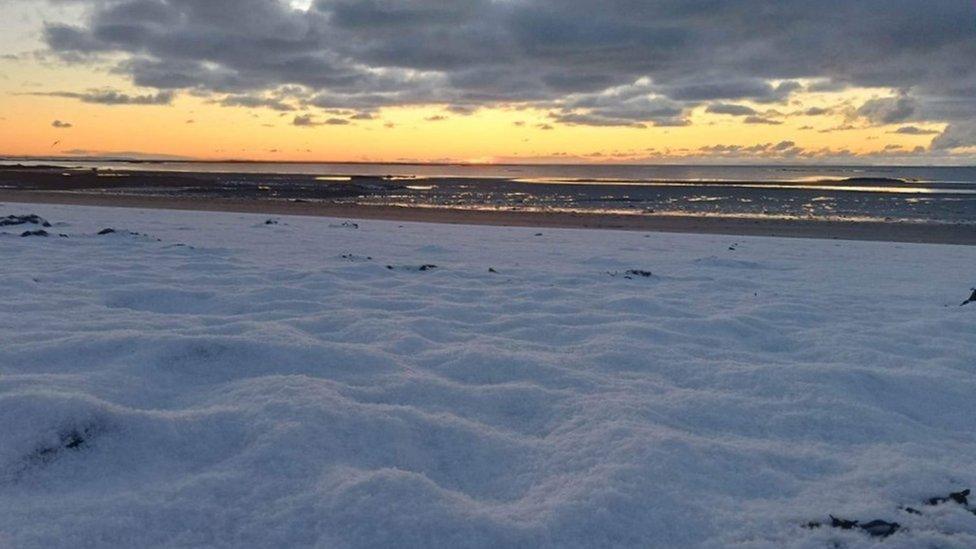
(787, 228)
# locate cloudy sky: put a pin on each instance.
(872, 81)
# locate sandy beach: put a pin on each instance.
(841, 230)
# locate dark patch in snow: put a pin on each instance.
(345, 225)
(492, 270)
(104, 232)
(31, 219)
(39, 232)
(72, 440)
(875, 528)
(271, 222)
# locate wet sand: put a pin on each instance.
(842, 230)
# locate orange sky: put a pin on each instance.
(197, 127)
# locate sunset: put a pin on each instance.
(515, 81)
(430, 274)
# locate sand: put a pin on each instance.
(792, 228)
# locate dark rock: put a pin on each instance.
(31, 219)
(353, 257)
(972, 299)
(421, 268)
(345, 225)
(632, 274)
(880, 528)
(39, 232)
(842, 524)
(104, 232)
(911, 510)
(271, 222)
(962, 498)
(492, 270)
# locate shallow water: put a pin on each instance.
(907, 194)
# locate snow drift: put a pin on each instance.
(212, 379)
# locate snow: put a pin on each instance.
(238, 384)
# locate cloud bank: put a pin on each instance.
(612, 63)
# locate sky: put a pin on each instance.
(554, 81)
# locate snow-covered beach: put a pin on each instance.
(220, 380)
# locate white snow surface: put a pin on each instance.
(252, 387)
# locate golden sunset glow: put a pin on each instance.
(198, 128)
(41, 114)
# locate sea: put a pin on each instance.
(929, 194)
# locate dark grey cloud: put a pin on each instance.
(915, 130)
(761, 120)
(304, 120)
(112, 97)
(888, 110)
(309, 121)
(816, 111)
(367, 54)
(255, 101)
(731, 109)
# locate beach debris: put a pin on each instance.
(972, 299)
(356, 258)
(104, 232)
(345, 225)
(632, 274)
(421, 268)
(875, 528)
(961, 497)
(39, 232)
(31, 219)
